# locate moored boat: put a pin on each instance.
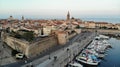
(74, 64)
(89, 59)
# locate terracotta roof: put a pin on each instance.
(101, 23)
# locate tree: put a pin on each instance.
(104, 27)
(17, 35)
(8, 30)
(29, 36)
(77, 27)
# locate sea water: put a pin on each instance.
(112, 59)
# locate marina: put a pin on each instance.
(99, 52)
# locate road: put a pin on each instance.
(65, 54)
(5, 54)
(52, 52)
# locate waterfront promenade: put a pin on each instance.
(64, 55)
(103, 31)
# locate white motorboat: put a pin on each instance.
(86, 61)
(99, 37)
(74, 64)
(103, 37)
(92, 51)
(90, 59)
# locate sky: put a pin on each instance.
(59, 8)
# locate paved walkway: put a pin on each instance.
(63, 55)
(5, 55)
(59, 51)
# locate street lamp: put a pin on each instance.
(96, 30)
(69, 55)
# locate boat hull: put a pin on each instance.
(88, 63)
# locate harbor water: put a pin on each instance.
(112, 59)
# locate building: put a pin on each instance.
(90, 24)
(112, 26)
(40, 27)
(101, 24)
(29, 49)
(118, 26)
(81, 24)
(68, 16)
(22, 18)
(62, 37)
(47, 30)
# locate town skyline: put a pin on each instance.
(108, 19)
(59, 33)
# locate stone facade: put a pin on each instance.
(14, 43)
(101, 24)
(27, 48)
(62, 37)
(90, 24)
(108, 31)
(41, 46)
(102, 31)
(47, 30)
(34, 48)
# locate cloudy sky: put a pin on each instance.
(60, 7)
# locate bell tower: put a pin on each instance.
(68, 16)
